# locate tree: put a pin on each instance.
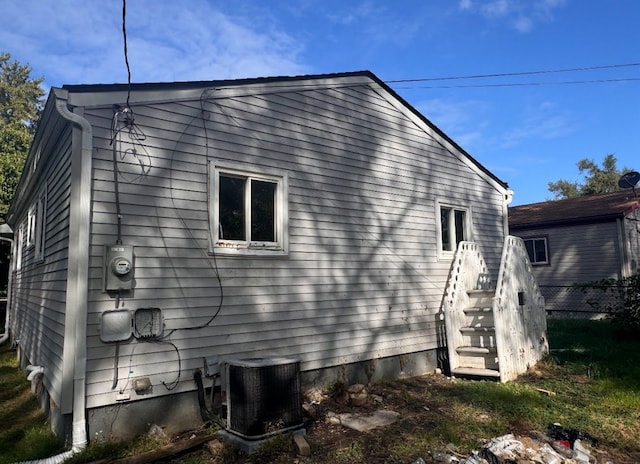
(20, 108)
(597, 180)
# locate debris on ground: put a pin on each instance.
(558, 446)
(363, 422)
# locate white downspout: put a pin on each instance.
(508, 198)
(77, 290)
(77, 285)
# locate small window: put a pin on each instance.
(248, 211)
(18, 248)
(454, 228)
(40, 226)
(32, 217)
(537, 250)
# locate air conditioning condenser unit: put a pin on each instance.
(263, 396)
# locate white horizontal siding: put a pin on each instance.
(362, 279)
(578, 253)
(39, 292)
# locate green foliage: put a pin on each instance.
(24, 434)
(622, 299)
(596, 179)
(20, 108)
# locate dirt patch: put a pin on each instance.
(425, 405)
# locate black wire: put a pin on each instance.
(523, 84)
(511, 74)
(116, 193)
(173, 384)
(126, 57)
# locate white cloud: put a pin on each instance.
(463, 121)
(81, 42)
(521, 15)
(543, 121)
(465, 5)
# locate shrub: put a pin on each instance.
(621, 298)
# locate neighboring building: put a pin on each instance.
(164, 228)
(577, 241)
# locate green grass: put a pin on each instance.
(24, 434)
(593, 372)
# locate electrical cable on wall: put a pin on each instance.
(210, 260)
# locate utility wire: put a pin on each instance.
(511, 74)
(126, 57)
(521, 84)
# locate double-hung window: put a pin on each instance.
(248, 211)
(537, 249)
(35, 229)
(454, 227)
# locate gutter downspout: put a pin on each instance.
(508, 198)
(77, 286)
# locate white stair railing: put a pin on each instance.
(468, 272)
(518, 306)
(519, 314)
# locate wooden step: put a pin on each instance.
(475, 372)
(478, 310)
(477, 330)
(475, 350)
(490, 292)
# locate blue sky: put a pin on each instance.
(527, 129)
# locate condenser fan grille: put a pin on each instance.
(263, 396)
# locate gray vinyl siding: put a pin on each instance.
(39, 287)
(631, 233)
(578, 253)
(362, 278)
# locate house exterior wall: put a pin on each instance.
(578, 254)
(362, 278)
(39, 284)
(631, 232)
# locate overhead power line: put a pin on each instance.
(521, 84)
(512, 74)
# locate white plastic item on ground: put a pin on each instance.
(501, 449)
(549, 456)
(474, 459)
(581, 453)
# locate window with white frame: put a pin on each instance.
(35, 226)
(18, 245)
(32, 217)
(248, 211)
(454, 227)
(40, 226)
(537, 249)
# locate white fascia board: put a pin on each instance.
(157, 94)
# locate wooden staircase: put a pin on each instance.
(478, 353)
(493, 332)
